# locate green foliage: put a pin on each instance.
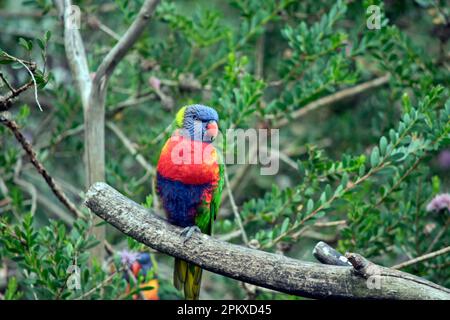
(245, 93)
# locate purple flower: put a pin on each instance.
(439, 202)
(444, 159)
(128, 257)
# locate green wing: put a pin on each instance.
(217, 197)
(207, 212)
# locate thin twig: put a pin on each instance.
(126, 42)
(131, 148)
(161, 136)
(305, 232)
(338, 96)
(24, 64)
(241, 172)
(279, 154)
(3, 187)
(129, 103)
(422, 258)
(330, 223)
(51, 207)
(95, 22)
(6, 82)
(68, 133)
(100, 285)
(12, 125)
(235, 208)
(6, 101)
(260, 47)
(25, 184)
(438, 236)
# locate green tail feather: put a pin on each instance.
(187, 277)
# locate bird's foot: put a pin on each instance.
(187, 232)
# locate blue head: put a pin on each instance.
(199, 122)
(144, 258)
(142, 264)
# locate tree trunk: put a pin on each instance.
(94, 157)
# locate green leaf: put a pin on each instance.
(436, 183)
(309, 206)
(406, 102)
(41, 44)
(320, 214)
(328, 191)
(27, 44)
(362, 170)
(375, 157)
(285, 225)
(148, 201)
(11, 292)
(47, 36)
(344, 180)
(383, 145)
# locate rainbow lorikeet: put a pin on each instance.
(189, 183)
(140, 264)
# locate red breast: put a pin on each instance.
(188, 161)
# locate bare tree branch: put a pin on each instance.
(75, 52)
(6, 101)
(126, 42)
(422, 258)
(6, 82)
(340, 95)
(131, 148)
(31, 189)
(12, 125)
(438, 236)
(253, 266)
(234, 207)
(31, 68)
(93, 92)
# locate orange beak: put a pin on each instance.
(212, 129)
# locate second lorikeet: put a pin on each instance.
(189, 183)
(140, 264)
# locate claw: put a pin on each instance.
(188, 232)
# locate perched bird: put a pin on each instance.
(189, 184)
(140, 264)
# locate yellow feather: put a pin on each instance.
(187, 277)
(179, 118)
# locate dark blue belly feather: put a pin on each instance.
(180, 200)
